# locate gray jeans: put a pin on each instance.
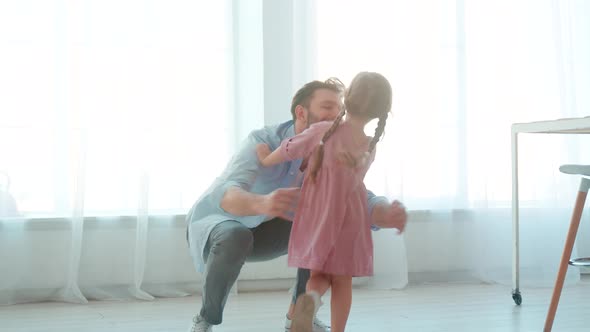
(230, 244)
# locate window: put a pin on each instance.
(107, 103)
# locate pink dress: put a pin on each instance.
(332, 228)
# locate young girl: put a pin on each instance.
(331, 232)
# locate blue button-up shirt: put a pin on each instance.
(245, 171)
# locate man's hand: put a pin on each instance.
(280, 203)
(397, 215)
(392, 215)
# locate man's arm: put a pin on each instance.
(385, 214)
(278, 203)
(239, 202)
(234, 195)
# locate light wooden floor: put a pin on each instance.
(431, 307)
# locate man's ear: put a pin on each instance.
(300, 113)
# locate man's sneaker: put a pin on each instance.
(319, 326)
(200, 325)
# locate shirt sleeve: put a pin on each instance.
(241, 171)
(373, 200)
(300, 146)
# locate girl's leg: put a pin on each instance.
(307, 304)
(318, 282)
(341, 301)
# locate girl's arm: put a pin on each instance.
(268, 158)
(299, 146)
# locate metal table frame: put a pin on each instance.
(559, 126)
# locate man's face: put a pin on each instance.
(324, 106)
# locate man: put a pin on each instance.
(246, 213)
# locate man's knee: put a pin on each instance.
(234, 243)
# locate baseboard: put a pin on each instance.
(456, 276)
(265, 285)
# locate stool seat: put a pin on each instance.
(585, 261)
(575, 169)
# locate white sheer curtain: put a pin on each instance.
(462, 73)
(113, 115)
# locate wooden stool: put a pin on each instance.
(584, 171)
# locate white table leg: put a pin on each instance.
(515, 236)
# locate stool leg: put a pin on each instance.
(567, 254)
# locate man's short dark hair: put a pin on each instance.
(304, 95)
